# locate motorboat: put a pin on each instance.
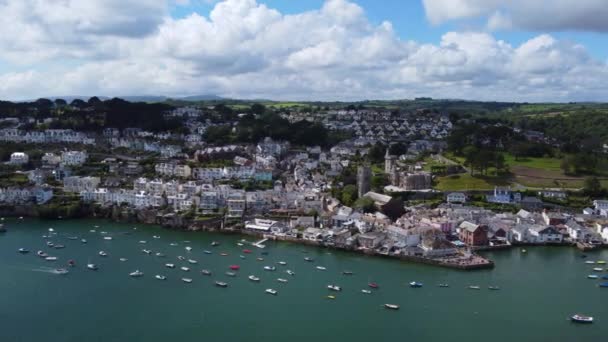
(271, 291)
(321, 268)
(443, 285)
(192, 261)
(282, 263)
(602, 284)
(188, 248)
(598, 269)
(160, 277)
(50, 244)
(231, 274)
(103, 254)
(242, 256)
(253, 278)
(147, 251)
(185, 269)
(206, 272)
(123, 259)
(92, 267)
(170, 265)
(156, 237)
(415, 284)
(207, 252)
(59, 246)
(83, 240)
(270, 268)
(581, 319)
(41, 254)
(61, 271)
(143, 241)
(331, 297)
(593, 276)
(366, 291)
(524, 251)
(493, 288)
(221, 284)
(309, 259)
(391, 306)
(334, 287)
(160, 255)
(373, 285)
(601, 262)
(605, 277)
(187, 280)
(215, 243)
(474, 287)
(291, 273)
(260, 259)
(23, 251)
(50, 258)
(173, 244)
(590, 262)
(347, 273)
(224, 254)
(239, 244)
(281, 280)
(179, 257)
(136, 274)
(108, 238)
(235, 267)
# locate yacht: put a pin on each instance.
(321, 268)
(92, 267)
(206, 272)
(415, 284)
(187, 280)
(272, 292)
(185, 269)
(107, 238)
(253, 278)
(170, 265)
(23, 251)
(103, 254)
(61, 271)
(123, 259)
(270, 268)
(581, 319)
(309, 259)
(221, 284)
(160, 277)
(282, 263)
(334, 287)
(291, 273)
(136, 273)
(192, 261)
(366, 291)
(474, 287)
(391, 306)
(50, 258)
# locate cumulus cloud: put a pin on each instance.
(245, 49)
(551, 15)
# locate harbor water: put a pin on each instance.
(539, 291)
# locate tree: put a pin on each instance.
(376, 153)
(592, 186)
(349, 195)
(366, 204)
(379, 182)
(398, 149)
(258, 108)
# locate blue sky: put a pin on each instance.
(502, 50)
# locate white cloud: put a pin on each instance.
(553, 15)
(246, 49)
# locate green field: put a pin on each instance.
(467, 182)
(549, 164)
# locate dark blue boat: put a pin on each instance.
(603, 284)
(605, 277)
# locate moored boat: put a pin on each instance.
(207, 252)
(92, 267)
(321, 268)
(221, 284)
(61, 271)
(593, 276)
(215, 243)
(160, 255)
(206, 272)
(224, 254)
(179, 257)
(291, 273)
(192, 261)
(170, 265)
(331, 297)
(270, 268)
(50, 258)
(415, 284)
(598, 269)
(41, 254)
(160, 277)
(309, 259)
(188, 248)
(334, 287)
(231, 274)
(600, 262)
(443, 285)
(282, 280)
(474, 287)
(185, 269)
(494, 288)
(271, 291)
(247, 251)
(366, 291)
(391, 306)
(59, 246)
(253, 278)
(136, 274)
(187, 280)
(71, 263)
(602, 284)
(590, 262)
(373, 285)
(23, 251)
(147, 251)
(83, 240)
(235, 267)
(581, 319)
(107, 238)
(282, 263)
(103, 254)
(347, 272)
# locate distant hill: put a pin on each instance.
(139, 98)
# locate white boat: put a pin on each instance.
(188, 248)
(231, 274)
(61, 271)
(334, 287)
(49, 243)
(160, 255)
(281, 280)
(147, 251)
(23, 251)
(272, 292)
(282, 263)
(474, 287)
(185, 269)
(493, 288)
(253, 278)
(581, 319)
(187, 280)
(92, 267)
(415, 284)
(107, 238)
(51, 230)
(83, 240)
(590, 262)
(103, 254)
(192, 261)
(123, 259)
(290, 272)
(270, 268)
(321, 268)
(173, 244)
(598, 269)
(179, 257)
(391, 306)
(143, 241)
(206, 272)
(50, 258)
(41, 254)
(239, 244)
(59, 246)
(156, 237)
(170, 265)
(593, 276)
(221, 284)
(366, 291)
(136, 273)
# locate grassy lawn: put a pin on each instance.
(467, 182)
(549, 164)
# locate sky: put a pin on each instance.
(494, 50)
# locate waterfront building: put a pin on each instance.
(473, 234)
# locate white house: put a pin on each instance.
(545, 234)
(456, 197)
(51, 159)
(19, 158)
(73, 157)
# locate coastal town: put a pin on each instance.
(355, 178)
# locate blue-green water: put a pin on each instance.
(539, 290)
